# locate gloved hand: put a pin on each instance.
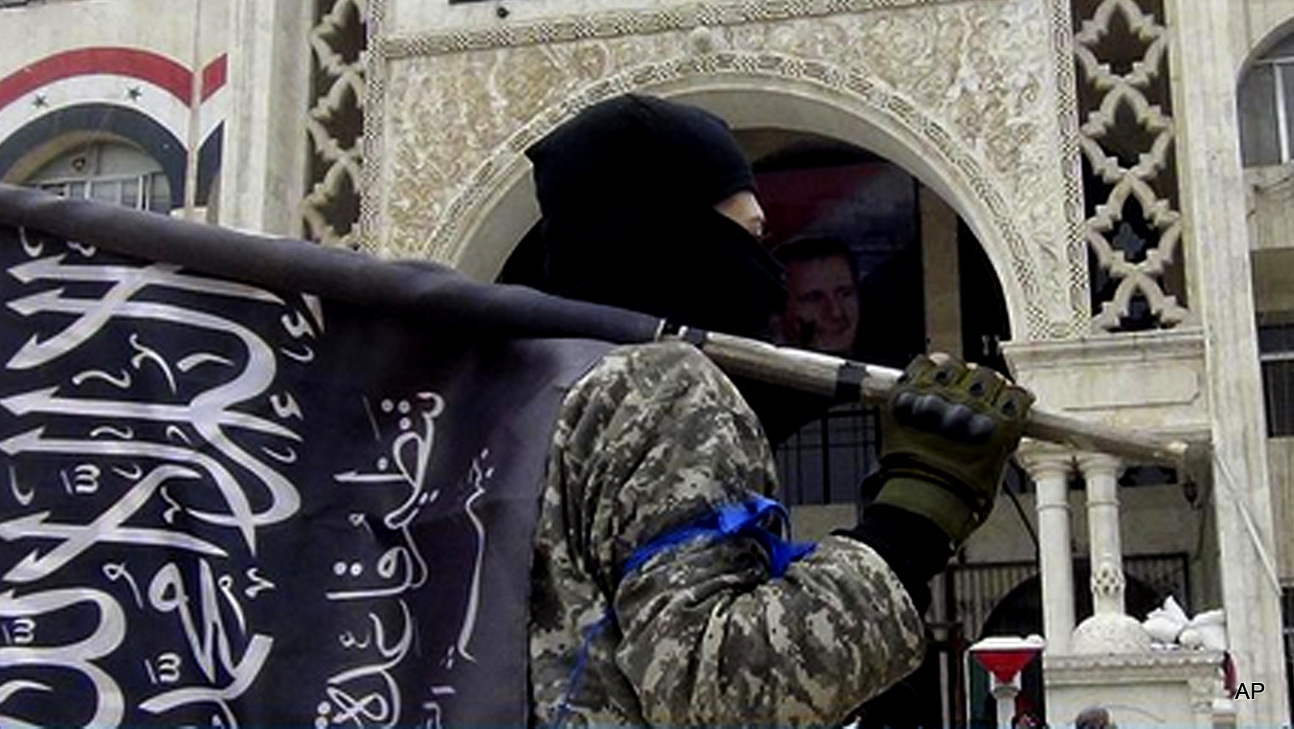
(947, 433)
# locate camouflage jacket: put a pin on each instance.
(701, 633)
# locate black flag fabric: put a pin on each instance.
(233, 503)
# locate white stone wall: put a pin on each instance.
(1270, 215)
(1280, 461)
(34, 31)
(165, 59)
(263, 180)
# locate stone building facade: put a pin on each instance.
(118, 109)
(1121, 167)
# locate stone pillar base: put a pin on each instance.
(1178, 689)
(1110, 633)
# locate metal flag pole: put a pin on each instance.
(822, 374)
(450, 301)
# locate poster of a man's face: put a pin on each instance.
(821, 309)
(847, 237)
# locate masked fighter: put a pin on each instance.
(663, 592)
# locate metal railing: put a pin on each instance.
(972, 592)
(826, 461)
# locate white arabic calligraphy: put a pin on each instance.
(78, 657)
(210, 413)
(137, 446)
(381, 704)
(108, 527)
(477, 475)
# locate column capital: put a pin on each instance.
(1042, 459)
(1099, 464)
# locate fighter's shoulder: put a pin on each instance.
(657, 356)
(656, 365)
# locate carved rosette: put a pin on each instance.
(1108, 581)
(1205, 693)
(974, 82)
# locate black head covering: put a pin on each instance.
(627, 190)
(641, 146)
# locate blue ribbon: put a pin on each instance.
(752, 518)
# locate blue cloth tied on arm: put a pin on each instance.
(754, 518)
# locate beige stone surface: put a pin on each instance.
(1213, 204)
(966, 90)
(1280, 461)
(59, 25)
(1270, 192)
(1152, 381)
(1261, 24)
(263, 175)
(1178, 689)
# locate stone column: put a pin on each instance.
(1109, 630)
(1050, 468)
(940, 270)
(265, 157)
(1005, 693)
(1216, 248)
(1101, 472)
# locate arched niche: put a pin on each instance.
(484, 224)
(1263, 39)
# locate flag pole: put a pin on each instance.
(444, 298)
(825, 375)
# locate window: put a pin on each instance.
(1276, 354)
(826, 461)
(1287, 631)
(1266, 107)
(110, 172)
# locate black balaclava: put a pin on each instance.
(627, 190)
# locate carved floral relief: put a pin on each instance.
(976, 79)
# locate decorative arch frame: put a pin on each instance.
(1263, 40)
(482, 224)
(48, 136)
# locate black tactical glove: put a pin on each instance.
(947, 433)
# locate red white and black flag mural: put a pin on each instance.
(248, 482)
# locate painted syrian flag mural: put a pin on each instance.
(228, 506)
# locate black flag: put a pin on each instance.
(300, 492)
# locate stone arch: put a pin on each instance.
(482, 225)
(44, 139)
(1264, 39)
(1255, 127)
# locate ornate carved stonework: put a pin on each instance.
(1160, 688)
(970, 86)
(1128, 139)
(1108, 581)
(334, 122)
